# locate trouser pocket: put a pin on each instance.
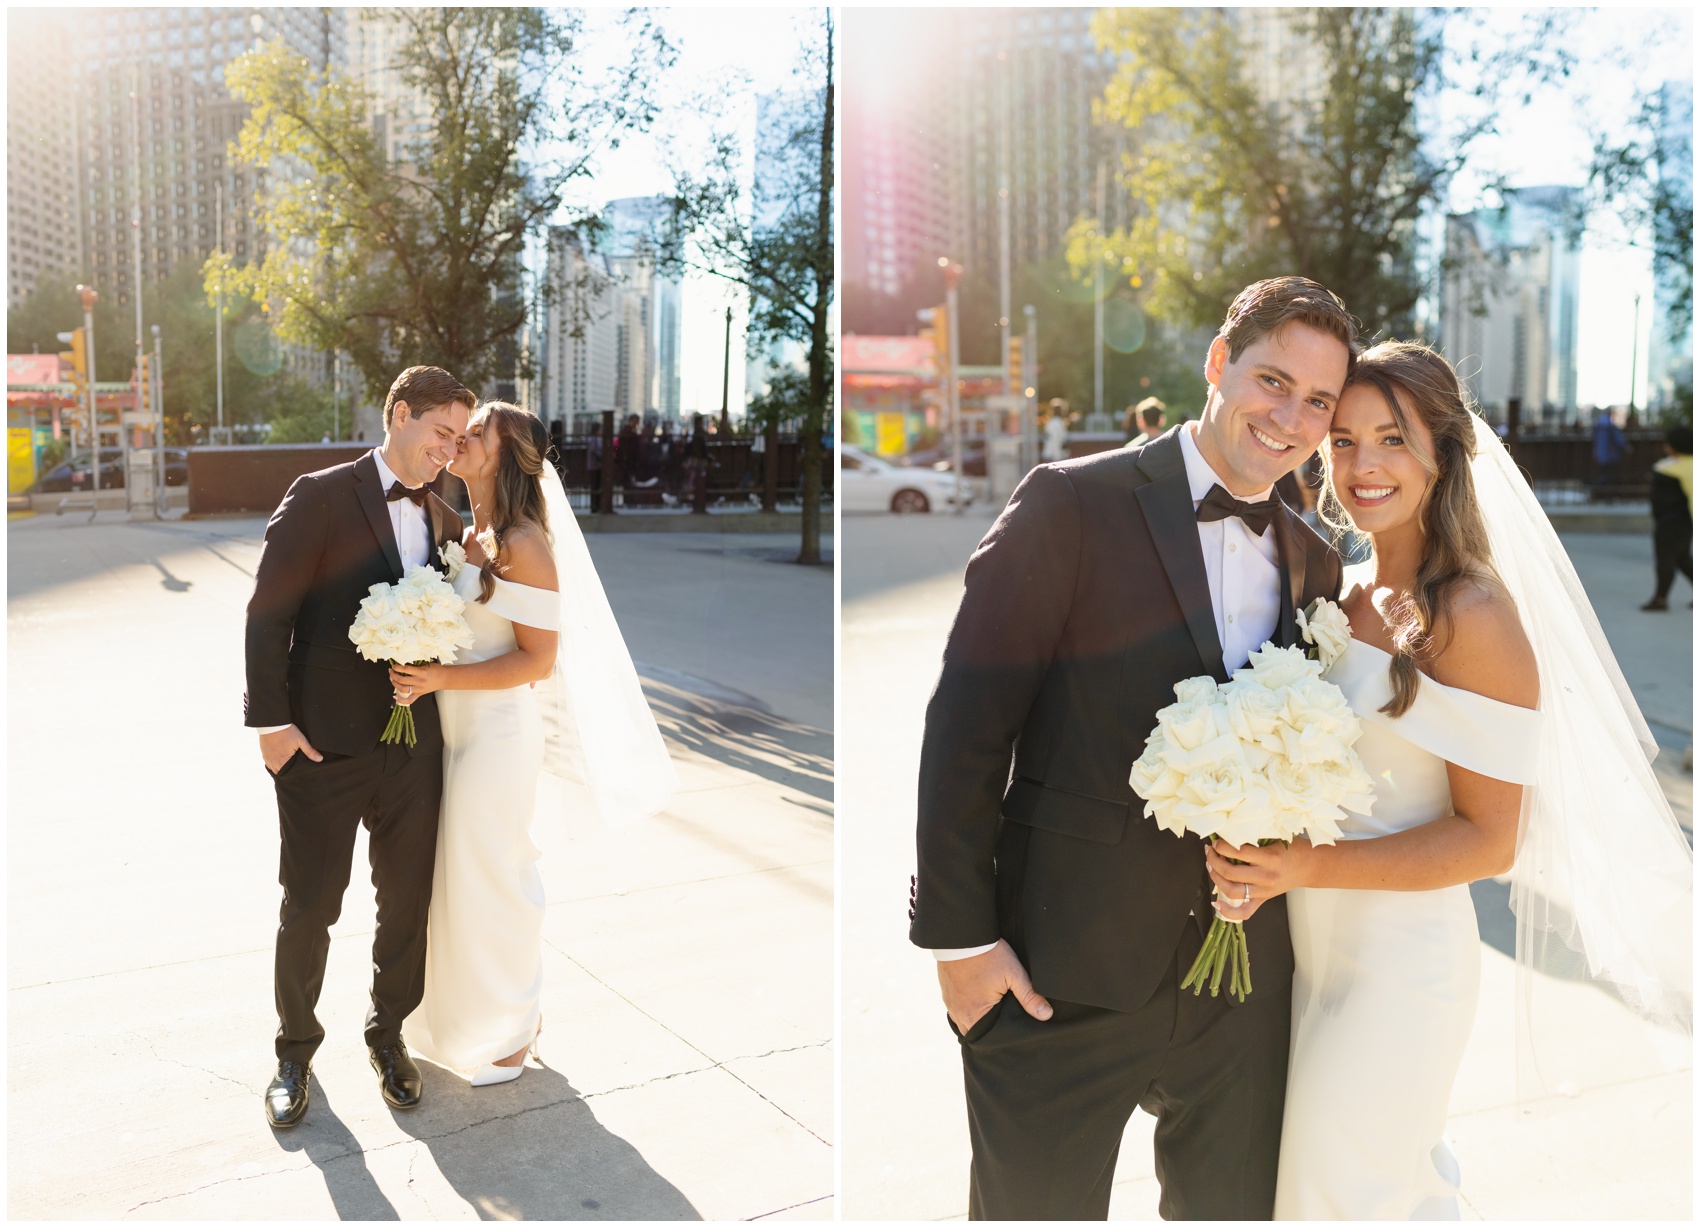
(983, 1024)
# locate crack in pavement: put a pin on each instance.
(576, 1097)
(807, 1202)
(186, 1066)
(758, 1092)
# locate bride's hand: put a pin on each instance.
(412, 681)
(1269, 870)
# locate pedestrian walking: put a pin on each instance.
(696, 464)
(1056, 431)
(1672, 496)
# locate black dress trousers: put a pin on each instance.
(320, 806)
(1048, 1101)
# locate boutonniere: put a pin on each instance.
(1325, 627)
(453, 558)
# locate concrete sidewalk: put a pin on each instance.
(1621, 1147)
(687, 1051)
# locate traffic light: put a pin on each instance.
(938, 330)
(77, 357)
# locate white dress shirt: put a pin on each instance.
(1244, 571)
(412, 530)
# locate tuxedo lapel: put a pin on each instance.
(1290, 544)
(1166, 500)
(368, 490)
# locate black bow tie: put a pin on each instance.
(1219, 505)
(398, 491)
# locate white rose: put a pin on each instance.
(1254, 712)
(1326, 625)
(453, 556)
(1277, 667)
(1190, 725)
(1199, 690)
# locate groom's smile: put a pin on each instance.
(1270, 407)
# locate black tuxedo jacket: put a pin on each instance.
(328, 542)
(1084, 605)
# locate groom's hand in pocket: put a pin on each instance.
(972, 986)
(278, 748)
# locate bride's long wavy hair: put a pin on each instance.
(1414, 380)
(522, 452)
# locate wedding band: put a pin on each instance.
(407, 690)
(1247, 899)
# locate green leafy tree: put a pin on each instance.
(1645, 174)
(1231, 185)
(186, 321)
(772, 235)
(420, 259)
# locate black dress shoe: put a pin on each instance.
(398, 1077)
(286, 1098)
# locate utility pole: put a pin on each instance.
(726, 376)
(1098, 307)
(336, 395)
(159, 499)
(953, 272)
(218, 327)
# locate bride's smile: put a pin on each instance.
(1378, 472)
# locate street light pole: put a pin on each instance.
(90, 297)
(136, 254)
(218, 328)
(1098, 308)
(1030, 391)
(1634, 360)
(726, 376)
(952, 272)
(159, 501)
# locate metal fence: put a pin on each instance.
(658, 477)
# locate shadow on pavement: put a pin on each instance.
(741, 734)
(533, 1150)
(338, 1155)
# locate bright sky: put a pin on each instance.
(1546, 142)
(735, 54)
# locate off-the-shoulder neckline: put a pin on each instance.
(1486, 699)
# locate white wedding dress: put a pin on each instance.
(484, 948)
(1385, 982)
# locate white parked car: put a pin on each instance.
(868, 484)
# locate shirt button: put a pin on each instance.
(1230, 618)
(1232, 546)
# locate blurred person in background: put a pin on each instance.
(1610, 446)
(1672, 496)
(1144, 422)
(1056, 431)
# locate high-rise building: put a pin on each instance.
(579, 354)
(1509, 302)
(174, 60)
(650, 309)
(1670, 353)
(41, 152)
(400, 115)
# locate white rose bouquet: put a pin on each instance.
(1265, 757)
(416, 620)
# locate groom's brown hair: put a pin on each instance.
(1266, 307)
(425, 389)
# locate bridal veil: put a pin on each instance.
(598, 727)
(1603, 881)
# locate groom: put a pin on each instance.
(320, 707)
(1062, 920)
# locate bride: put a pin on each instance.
(546, 684)
(1502, 739)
